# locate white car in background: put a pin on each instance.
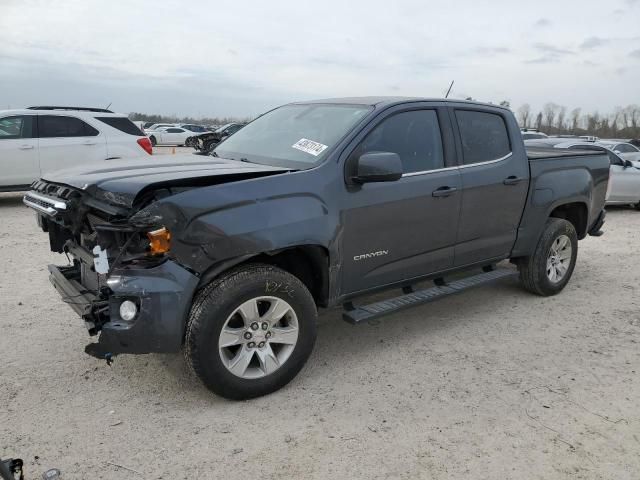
(624, 149)
(38, 140)
(624, 174)
(170, 136)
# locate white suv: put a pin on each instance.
(37, 140)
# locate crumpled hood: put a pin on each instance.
(120, 181)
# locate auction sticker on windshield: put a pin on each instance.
(309, 146)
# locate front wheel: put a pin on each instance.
(250, 332)
(153, 140)
(549, 269)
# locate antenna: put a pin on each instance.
(449, 91)
(108, 106)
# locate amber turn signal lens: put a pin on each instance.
(159, 241)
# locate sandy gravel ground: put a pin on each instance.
(493, 384)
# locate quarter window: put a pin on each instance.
(414, 136)
(55, 126)
(123, 124)
(16, 127)
(484, 136)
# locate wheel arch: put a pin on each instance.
(308, 263)
(576, 213)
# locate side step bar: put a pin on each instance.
(359, 314)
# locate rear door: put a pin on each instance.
(495, 180)
(18, 151)
(66, 141)
(396, 231)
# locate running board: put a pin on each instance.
(359, 314)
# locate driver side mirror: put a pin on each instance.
(627, 163)
(377, 167)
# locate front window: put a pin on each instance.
(414, 136)
(295, 136)
(16, 127)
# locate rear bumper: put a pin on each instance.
(163, 295)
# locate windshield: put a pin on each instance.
(295, 136)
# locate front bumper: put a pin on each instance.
(163, 295)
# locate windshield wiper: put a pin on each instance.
(214, 154)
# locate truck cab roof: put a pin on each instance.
(388, 101)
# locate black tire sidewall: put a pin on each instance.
(221, 301)
(555, 228)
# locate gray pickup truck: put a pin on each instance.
(311, 205)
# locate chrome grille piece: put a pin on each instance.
(43, 204)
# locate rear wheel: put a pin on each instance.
(549, 269)
(250, 331)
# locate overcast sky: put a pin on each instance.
(238, 57)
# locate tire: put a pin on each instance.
(540, 273)
(272, 366)
(153, 141)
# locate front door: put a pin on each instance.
(495, 182)
(397, 231)
(18, 151)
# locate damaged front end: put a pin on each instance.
(120, 278)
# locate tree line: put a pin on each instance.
(157, 118)
(554, 119)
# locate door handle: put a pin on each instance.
(89, 143)
(513, 180)
(26, 147)
(443, 191)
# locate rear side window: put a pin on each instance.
(56, 126)
(123, 124)
(174, 130)
(414, 136)
(16, 127)
(484, 136)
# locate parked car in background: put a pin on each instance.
(206, 142)
(624, 176)
(626, 150)
(532, 134)
(156, 126)
(313, 204)
(146, 125)
(194, 128)
(169, 136)
(38, 140)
